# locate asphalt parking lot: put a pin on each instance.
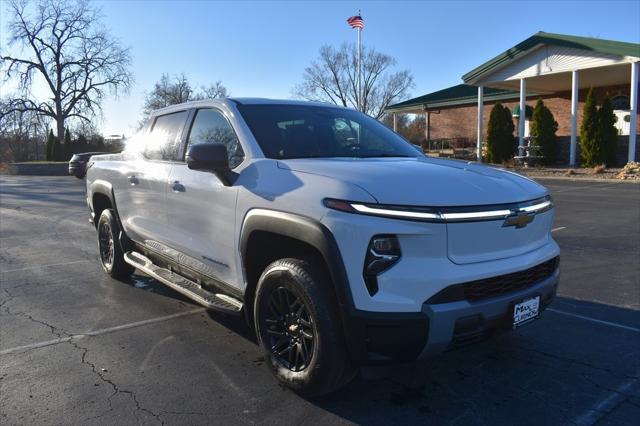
(77, 347)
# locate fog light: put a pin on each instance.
(383, 252)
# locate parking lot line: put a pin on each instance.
(559, 228)
(100, 332)
(609, 323)
(608, 404)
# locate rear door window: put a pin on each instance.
(163, 142)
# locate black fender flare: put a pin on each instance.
(309, 231)
(103, 187)
(100, 186)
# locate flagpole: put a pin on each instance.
(359, 95)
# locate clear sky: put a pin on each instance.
(261, 48)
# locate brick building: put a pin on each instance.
(556, 68)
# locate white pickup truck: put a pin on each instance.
(336, 239)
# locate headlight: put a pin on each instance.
(382, 253)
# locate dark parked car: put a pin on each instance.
(78, 163)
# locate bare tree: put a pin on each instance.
(64, 44)
(22, 135)
(176, 90)
(167, 92)
(215, 90)
(333, 78)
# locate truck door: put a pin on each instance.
(201, 210)
(147, 176)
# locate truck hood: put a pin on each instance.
(423, 181)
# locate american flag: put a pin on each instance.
(356, 22)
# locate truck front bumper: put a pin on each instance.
(405, 337)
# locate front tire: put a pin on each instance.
(111, 255)
(298, 327)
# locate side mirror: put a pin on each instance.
(210, 157)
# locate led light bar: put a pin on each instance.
(536, 207)
(442, 214)
(476, 215)
(399, 213)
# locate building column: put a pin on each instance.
(428, 129)
(395, 122)
(633, 122)
(523, 112)
(480, 134)
(575, 91)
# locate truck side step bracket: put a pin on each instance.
(208, 299)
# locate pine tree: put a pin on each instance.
(66, 148)
(543, 129)
(57, 150)
(509, 143)
(608, 133)
(500, 140)
(589, 133)
(50, 143)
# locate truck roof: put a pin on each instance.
(238, 101)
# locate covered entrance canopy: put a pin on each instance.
(551, 63)
(552, 66)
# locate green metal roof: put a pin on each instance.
(585, 43)
(452, 96)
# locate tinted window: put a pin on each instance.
(163, 143)
(210, 126)
(303, 131)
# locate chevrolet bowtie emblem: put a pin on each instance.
(519, 220)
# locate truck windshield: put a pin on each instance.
(309, 131)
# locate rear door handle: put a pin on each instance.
(133, 180)
(176, 186)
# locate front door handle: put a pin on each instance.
(176, 186)
(133, 180)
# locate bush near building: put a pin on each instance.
(608, 132)
(500, 141)
(543, 129)
(598, 134)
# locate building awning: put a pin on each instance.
(461, 94)
(585, 46)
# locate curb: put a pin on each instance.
(589, 180)
(39, 169)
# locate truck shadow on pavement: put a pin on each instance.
(556, 370)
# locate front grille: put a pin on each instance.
(495, 286)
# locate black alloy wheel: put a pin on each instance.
(111, 254)
(106, 243)
(292, 335)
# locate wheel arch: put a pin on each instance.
(305, 235)
(103, 197)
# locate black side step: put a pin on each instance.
(216, 301)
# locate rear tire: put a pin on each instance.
(298, 327)
(111, 255)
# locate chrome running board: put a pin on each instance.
(217, 301)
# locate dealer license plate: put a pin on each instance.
(526, 311)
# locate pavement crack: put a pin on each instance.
(114, 386)
(7, 300)
(56, 331)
